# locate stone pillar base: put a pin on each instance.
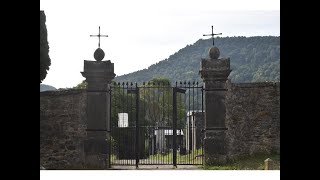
(96, 161)
(96, 153)
(214, 148)
(215, 160)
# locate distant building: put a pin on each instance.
(162, 140)
(194, 127)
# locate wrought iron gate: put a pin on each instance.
(156, 123)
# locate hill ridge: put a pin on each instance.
(252, 59)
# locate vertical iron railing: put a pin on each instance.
(137, 126)
(174, 125)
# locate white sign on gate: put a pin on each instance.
(122, 119)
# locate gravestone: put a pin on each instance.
(160, 138)
(268, 164)
(123, 120)
(199, 118)
(194, 125)
(215, 72)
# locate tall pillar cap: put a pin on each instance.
(98, 54)
(214, 52)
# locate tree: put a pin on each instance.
(45, 60)
(82, 85)
(155, 101)
(157, 95)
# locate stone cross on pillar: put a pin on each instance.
(99, 75)
(212, 34)
(214, 73)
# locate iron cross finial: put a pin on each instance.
(212, 34)
(99, 36)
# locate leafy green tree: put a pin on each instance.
(45, 60)
(82, 85)
(155, 101)
(158, 98)
(124, 102)
(157, 95)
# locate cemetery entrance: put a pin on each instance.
(156, 123)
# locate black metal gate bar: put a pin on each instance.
(194, 126)
(168, 110)
(174, 125)
(137, 126)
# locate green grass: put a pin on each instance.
(193, 157)
(112, 158)
(181, 159)
(255, 162)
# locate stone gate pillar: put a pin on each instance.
(99, 75)
(214, 73)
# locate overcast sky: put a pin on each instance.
(143, 32)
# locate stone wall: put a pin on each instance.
(253, 118)
(62, 129)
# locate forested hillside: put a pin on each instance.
(44, 87)
(253, 59)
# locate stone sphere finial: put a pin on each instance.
(214, 53)
(98, 54)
